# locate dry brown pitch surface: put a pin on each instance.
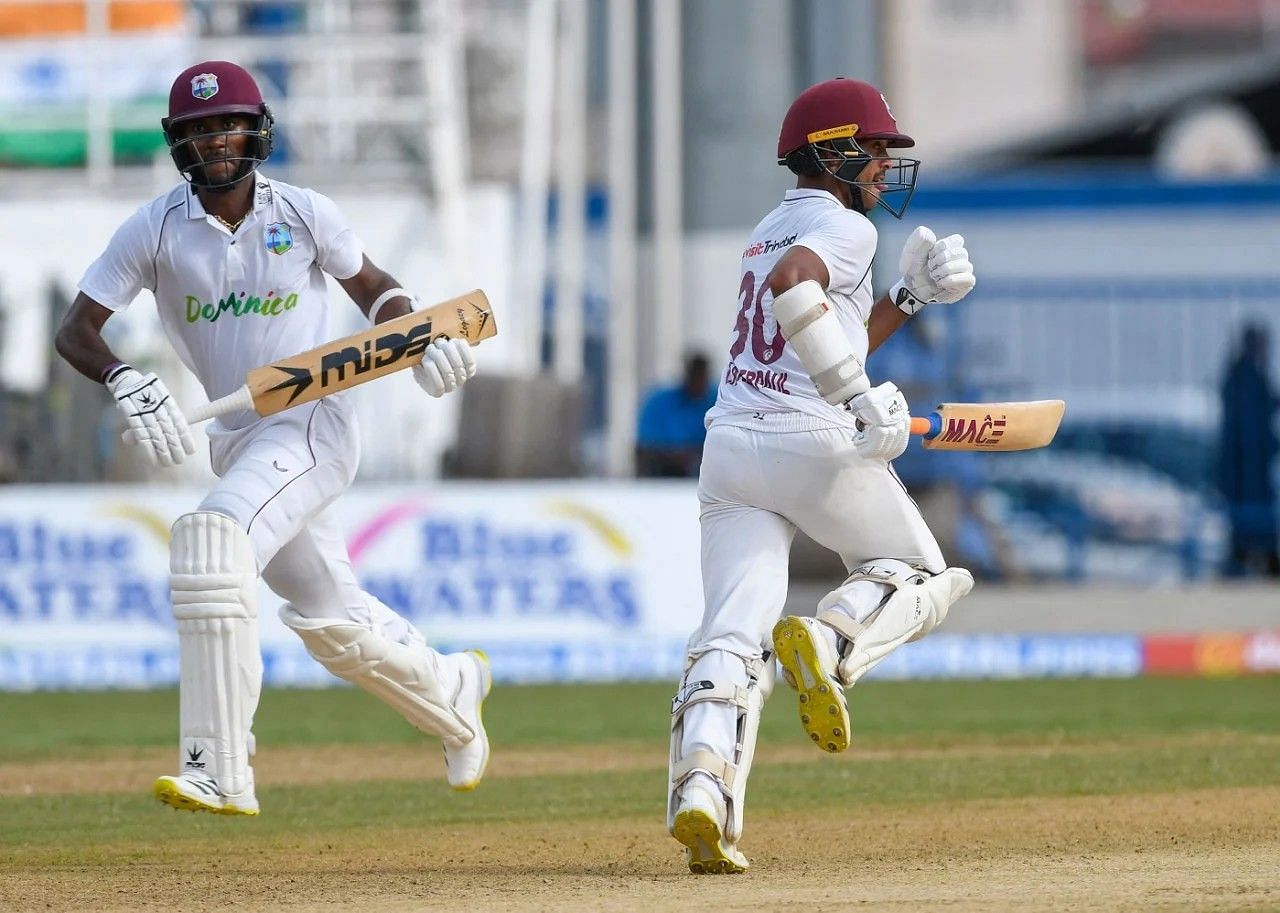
(1206, 849)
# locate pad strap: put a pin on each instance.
(707, 691)
(707, 762)
(844, 625)
(807, 316)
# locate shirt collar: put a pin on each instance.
(195, 209)
(805, 193)
(263, 193)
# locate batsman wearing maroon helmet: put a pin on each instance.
(237, 264)
(800, 439)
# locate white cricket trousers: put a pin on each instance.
(277, 478)
(756, 488)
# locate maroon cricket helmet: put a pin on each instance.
(823, 132)
(830, 108)
(211, 88)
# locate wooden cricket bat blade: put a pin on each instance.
(990, 426)
(356, 359)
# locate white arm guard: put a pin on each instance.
(804, 316)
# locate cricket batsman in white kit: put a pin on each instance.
(800, 439)
(236, 262)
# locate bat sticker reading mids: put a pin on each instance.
(377, 353)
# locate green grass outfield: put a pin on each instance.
(934, 713)
(916, 742)
(974, 797)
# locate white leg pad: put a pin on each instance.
(213, 581)
(916, 604)
(404, 676)
(715, 717)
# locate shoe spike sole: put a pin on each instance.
(823, 711)
(699, 832)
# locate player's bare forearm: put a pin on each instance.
(79, 338)
(365, 287)
(886, 319)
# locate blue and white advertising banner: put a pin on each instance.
(944, 655)
(557, 582)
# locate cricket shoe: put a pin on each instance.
(196, 791)
(465, 762)
(809, 661)
(698, 826)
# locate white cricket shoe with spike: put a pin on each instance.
(465, 762)
(699, 825)
(196, 791)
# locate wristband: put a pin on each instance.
(107, 372)
(904, 299)
(384, 298)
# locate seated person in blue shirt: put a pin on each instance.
(670, 434)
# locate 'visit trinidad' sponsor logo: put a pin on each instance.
(240, 304)
(768, 247)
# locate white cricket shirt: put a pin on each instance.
(228, 302)
(764, 373)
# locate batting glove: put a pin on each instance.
(932, 270)
(446, 366)
(884, 422)
(156, 424)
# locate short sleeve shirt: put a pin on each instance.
(230, 302)
(764, 374)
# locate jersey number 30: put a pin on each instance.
(766, 351)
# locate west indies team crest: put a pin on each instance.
(204, 86)
(278, 237)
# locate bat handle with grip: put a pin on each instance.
(929, 426)
(233, 402)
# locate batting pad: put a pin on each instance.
(402, 676)
(212, 578)
(715, 717)
(917, 604)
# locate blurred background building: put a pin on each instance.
(594, 165)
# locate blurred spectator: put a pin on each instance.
(671, 432)
(1247, 455)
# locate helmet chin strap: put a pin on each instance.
(855, 199)
(847, 174)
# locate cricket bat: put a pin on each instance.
(356, 359)
(990, 426)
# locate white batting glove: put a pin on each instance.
(156, 424)
(884, 422)
(446, 366)
(932, 270)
